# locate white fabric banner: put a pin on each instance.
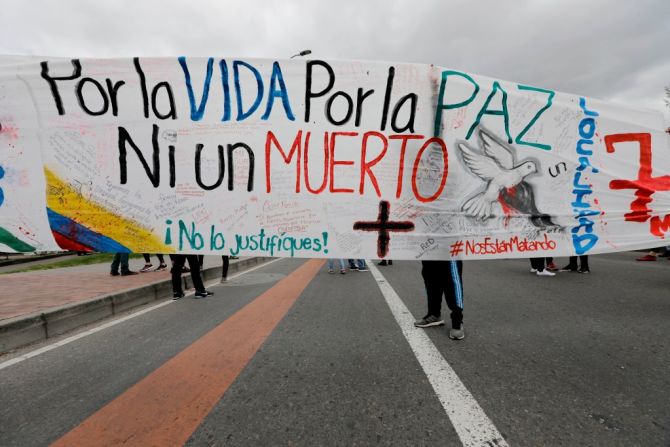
(312, 158)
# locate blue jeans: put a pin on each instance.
(356, 263)
(122, 259)
(331, 263)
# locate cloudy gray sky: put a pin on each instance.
(611, 50)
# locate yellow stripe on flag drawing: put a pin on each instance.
(65, 200)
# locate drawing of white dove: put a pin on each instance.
(496, 165)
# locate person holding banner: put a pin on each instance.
(450, 285)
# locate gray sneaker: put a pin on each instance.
(428, 321)
(457, 334)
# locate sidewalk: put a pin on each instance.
(40, 304)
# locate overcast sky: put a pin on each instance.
(611, 50)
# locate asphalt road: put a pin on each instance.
(570, 360)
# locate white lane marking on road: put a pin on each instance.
(81, 335)
(472, 425)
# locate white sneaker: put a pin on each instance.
(545, 272)
(532, 270)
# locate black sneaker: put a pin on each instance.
(177, 295)
(128, 273)
(114, 273)
(203, 294)
(428, 321)
(569, 268)
(584, 270)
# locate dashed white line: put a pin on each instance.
(472, 425)
(104, 326)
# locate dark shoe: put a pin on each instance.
(203, 294)
(647, 258)
(114, 273)
(234, 257)
(390, 262)
(185, 270)
(569, 268)
(160, 268)
(128, 273)
(584, 270)
(382, 263)
(552, 267)
(363, 269)
(177, 295)
(146, 268)
(457, 333)
(428, 321)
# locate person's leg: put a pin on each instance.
(201, 260)
(361, 265)
(536, 264)
(161, 263)
(224, 267)
(342, 268)
(125, 269)
(147, 263)
(194, 263)
(584, 264)
(331, 264)
(177, 264)
(115, 264)
(550, 264)
(572, 265)
(453, 292)
(431, 273)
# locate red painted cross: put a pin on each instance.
(383, 226)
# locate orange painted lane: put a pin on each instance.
(167, 406)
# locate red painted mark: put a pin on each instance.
(68, 244)
(9, 131)
(366, 166)
(644, 185)
(508, 210)
(383, 225)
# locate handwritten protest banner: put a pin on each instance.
(319, 159)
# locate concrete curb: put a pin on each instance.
(26, 329)
(26, 259)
